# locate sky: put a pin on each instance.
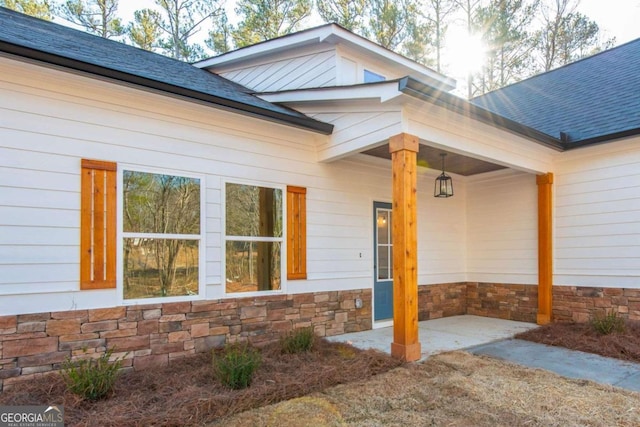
(618, 18)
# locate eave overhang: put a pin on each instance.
(305, 123)
(382, 91)
(461, 106)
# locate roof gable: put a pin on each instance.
(591, 100)
(332, 35)
(55, 44)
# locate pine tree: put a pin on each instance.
(180, 20)
(504, 25)
(440, 11)
(97, 17)
(38, 8)
(567, 35)
(418, 45)
(144, 32)
(390, 21)
(267, 19)
(220, 37)
(470, 10)
(347, 13)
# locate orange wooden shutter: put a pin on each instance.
(98, 225)
(296, 233)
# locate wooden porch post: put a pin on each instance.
(545, 248)
(405, 346)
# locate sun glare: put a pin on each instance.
(465, 52)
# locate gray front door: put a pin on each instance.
(383, 262)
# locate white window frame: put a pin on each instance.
(282, 239)
(122, 235)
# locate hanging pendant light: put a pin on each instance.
(444, 184)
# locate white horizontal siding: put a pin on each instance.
(355, 128)
(598, 216)
(502, 229)
(46, 128)
(441, 234)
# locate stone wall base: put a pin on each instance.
(443, 300)
(580, 304)
(32, 345)
(520, 302)
(499, 300)
(503, 301)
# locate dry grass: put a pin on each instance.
(456, 389)
(583, 337)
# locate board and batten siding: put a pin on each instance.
(597, 216)
(298, 71)
(50, 120)
(502, 236)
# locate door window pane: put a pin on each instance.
(385, 244)
(383, 226)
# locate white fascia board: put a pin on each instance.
(335, 37)
(383, 92)
(331, 34)
(268, 47)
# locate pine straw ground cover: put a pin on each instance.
(455, 389)
(185, 393)
(583, 337)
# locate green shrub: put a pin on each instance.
(235, 365)
(297, 341)
(91, 379)
(608, 322)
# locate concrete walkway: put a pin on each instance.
(568, 363)
(494, 337)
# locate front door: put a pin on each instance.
(383, 262)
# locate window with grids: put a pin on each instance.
(162, 235)
(253, 238)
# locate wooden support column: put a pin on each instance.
(405, 346)
(545, 248)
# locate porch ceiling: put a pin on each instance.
(430, 157)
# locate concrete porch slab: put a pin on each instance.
(438, 335)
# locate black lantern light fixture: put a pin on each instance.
(444, 184)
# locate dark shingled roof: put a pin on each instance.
(55, 44)
(592, 100)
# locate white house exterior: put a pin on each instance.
(62, 115)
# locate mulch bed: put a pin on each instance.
(583, 337)
(185, 393)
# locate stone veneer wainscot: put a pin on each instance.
(33, 345)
